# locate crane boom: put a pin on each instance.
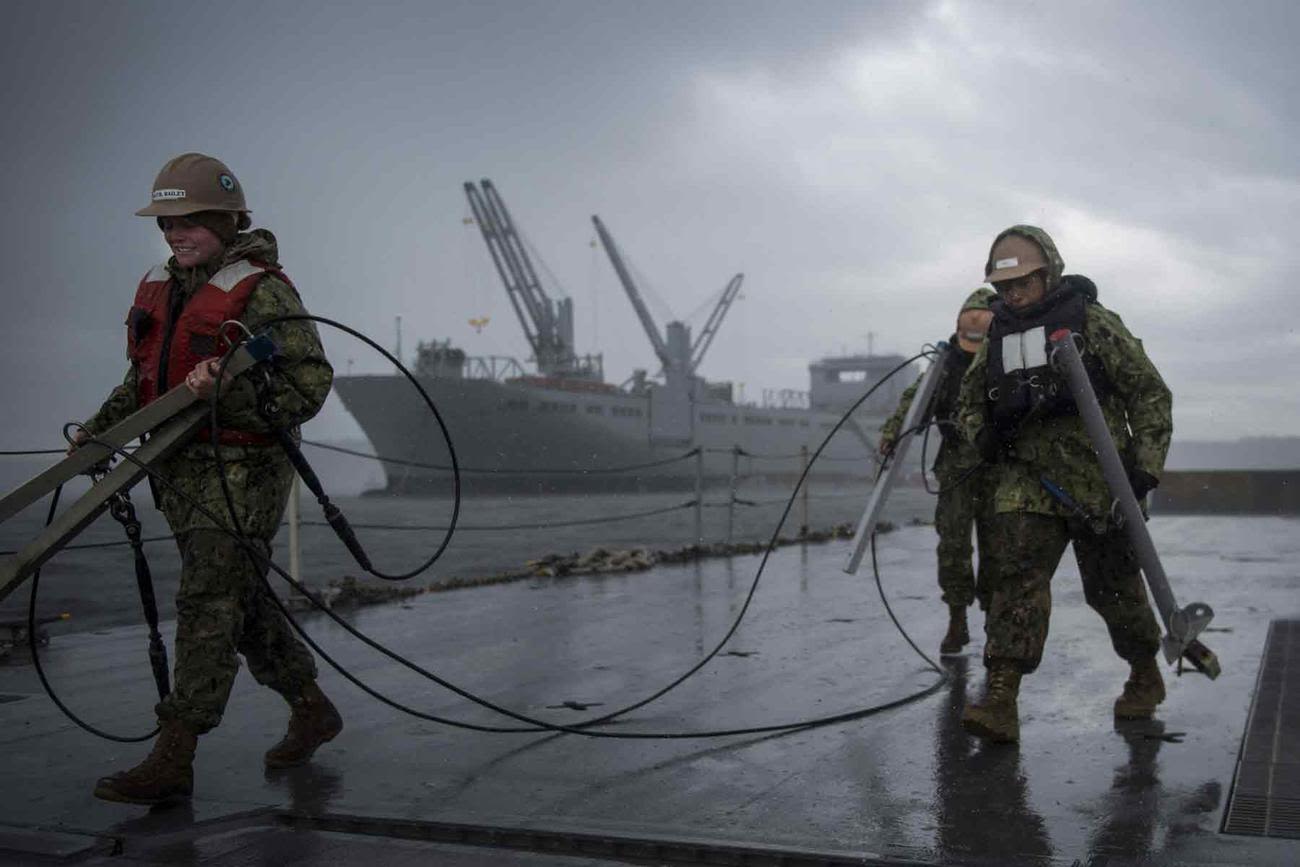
(715, 321)
(629, 286)
(505, 268)
(539, 304)
(547, 324)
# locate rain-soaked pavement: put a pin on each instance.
(903, 786)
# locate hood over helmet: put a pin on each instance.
(1010, 256)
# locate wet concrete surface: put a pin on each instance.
(904, 785)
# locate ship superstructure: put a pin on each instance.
(561, 426)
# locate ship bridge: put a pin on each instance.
(835, 382)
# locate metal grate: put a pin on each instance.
(1266, 789)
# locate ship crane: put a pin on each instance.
(715, 321)
(678, 356)
(547, 324)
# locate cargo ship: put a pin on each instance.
(556, 424)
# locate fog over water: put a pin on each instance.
(854, 160)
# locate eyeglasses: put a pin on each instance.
(972, 336)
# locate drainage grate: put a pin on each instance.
(1266, 791)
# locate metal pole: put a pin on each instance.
(699, 496)
(731, 500)
(1182, 625)
(917, 413)
(803, 461)
(295, 531)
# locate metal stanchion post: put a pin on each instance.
(699, 497)
(731, 500)
(803, 456)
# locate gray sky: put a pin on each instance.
(853, 159)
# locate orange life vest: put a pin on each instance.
(161, 351)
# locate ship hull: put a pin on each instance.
(515, 437)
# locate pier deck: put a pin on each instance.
(905, 786)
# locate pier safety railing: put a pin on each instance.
(294, 522)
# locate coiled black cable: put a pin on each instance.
(215, 431)
(578, 727)
(36, 657)
(534, 725)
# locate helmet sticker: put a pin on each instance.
(1006, 263)
(167, 195)
(226, 181)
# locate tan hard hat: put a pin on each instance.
(1014, 255)
(194, 182)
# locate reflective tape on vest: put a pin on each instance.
(1024, 350)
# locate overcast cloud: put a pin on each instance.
(853, 159)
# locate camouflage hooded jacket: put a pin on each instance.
(300, 381)
(1137, 406)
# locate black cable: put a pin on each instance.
(537, 526)
(533, 725)
(586, 471)
(36, 657)
(960, 480)
(258, 558)
(352, 543)
(403, 462)
(649, 513)
(91, 545)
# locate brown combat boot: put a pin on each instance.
(314, 720)
(166, 774)
(958, 634)
(1144, 690)
(996, 718)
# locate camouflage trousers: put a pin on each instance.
(964, 505)
(1029, 549)
(223, 609)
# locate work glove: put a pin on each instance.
(1142, 483)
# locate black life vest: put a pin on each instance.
(955, 364)
(1020, 380)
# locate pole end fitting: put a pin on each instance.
(1184, 625)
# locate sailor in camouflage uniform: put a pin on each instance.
(965, 500)
(1019, 412)
(219, 272)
